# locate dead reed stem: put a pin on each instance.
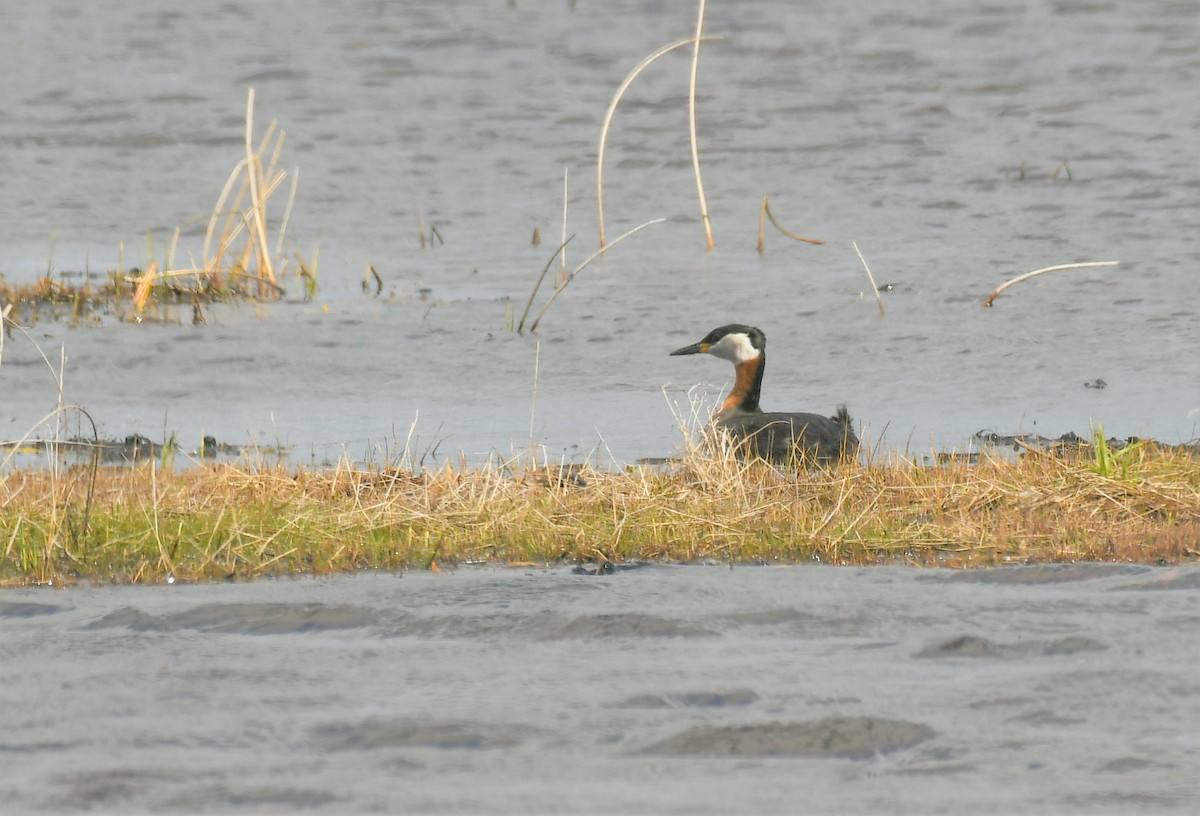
(554, 296)
(765, 212)
(692, 129)
(612, 109)
(1043, 271)
(4, 313)
(257, 203)
(563, 255)
(258, 184)
(870, 277)
(538, 285)
(287, 211)
(144, 284)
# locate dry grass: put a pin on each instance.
(222, 522)
(237, 259)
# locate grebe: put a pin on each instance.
(777, 436)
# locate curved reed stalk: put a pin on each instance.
(612, 109)
(764, 212)
(1043, 271)
(692, 128)
(580, 268)
(870, 277)
(538, 285)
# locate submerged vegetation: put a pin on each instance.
(223, 522)
(237, 261)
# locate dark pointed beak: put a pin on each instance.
(694, 348)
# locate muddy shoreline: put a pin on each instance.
(664, 689)
(137, 447)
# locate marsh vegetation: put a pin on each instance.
(224, 522)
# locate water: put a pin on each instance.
(930, 135)
(933, 136)
(1063, 689)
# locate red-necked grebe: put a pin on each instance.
(777, 436)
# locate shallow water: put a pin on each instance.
(931, 136)
(1057, 689)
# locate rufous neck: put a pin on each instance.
(747, 386)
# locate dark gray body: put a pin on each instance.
(783, 437)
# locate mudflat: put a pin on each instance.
(1066, 688)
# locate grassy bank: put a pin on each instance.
(218, 522)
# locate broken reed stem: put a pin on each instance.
(870, 277)
(144, 284)
(581, 267)
(287, 211)
(199, 270)
(370, 273)
(218, 210)
(537, 364)
(4, 313)
(259, 185)
(1086, 265)
(171, 250)
(538, 285)
(612, 109)
(692, 128)
(257, 204)
(762, 225)
(563, 256)
(765, 210)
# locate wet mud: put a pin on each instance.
(835, 737)
(1069, 688)
(131, 449)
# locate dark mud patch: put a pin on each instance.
(604, 567)
(627, 625)
(1073, 446)
(108, 789)
(271, 799)
(975, 646)
(832, 738)
(1045, 717)
(472, 626)
(23, 609)
(1039, 574)
(806, 623)
(769, 617)
(691, 699)
(1129, 764)
(373, 735)
(244, 619)
(1175, 578)
(1125, 802)
(963, 646)
(130, 449)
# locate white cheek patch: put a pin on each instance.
(736, 348)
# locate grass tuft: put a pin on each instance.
(225, 522)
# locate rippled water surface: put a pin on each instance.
(933, 135)
(1056, 689)
(959, 144)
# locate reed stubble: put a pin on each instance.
(231, 522)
